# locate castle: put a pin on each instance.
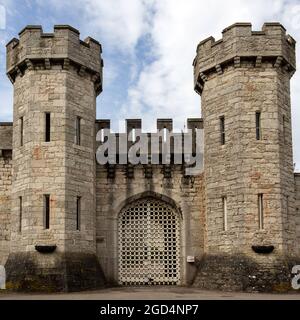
(69, 223)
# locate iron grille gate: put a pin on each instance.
(149, 244)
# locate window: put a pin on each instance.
(20, 213)
(21, 131)
(258, 125)
(47, 126)
(46, 211)
(283, 129)
(222, 129)
(224, 204)
(78, 211)
(260, 211)
(78, 130)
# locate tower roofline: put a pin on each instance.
(239, 42)
(63, 47)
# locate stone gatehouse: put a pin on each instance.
(69, 223)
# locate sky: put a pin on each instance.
(148, 49)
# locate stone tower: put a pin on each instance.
(244, 83)
(56, 79)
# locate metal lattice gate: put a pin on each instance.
(149, 244)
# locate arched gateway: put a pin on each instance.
(149, 243)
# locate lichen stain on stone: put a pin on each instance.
(37, 153)
(255, 176)
(250, 87)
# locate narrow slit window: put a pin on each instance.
(47, 211)
(224, 204)
(47, 126)
(222, 129)
(78, 131)
(78, 212)
(258, 125)
(21, 131)
(283, 129)
(20, 213)
(260, 211)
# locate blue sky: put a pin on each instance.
(148, 49)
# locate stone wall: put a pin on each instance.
(6, 132)
(60, 75)
(244, 73)
(63, 82)
(237, 77)
(245, 167)
(297, 196)
(114, 193)
(5, 203)
(63, 44)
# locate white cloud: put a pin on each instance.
(119, 23)
(165, 87)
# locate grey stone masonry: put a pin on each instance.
(114, 193)
(297, 204)
(241, 77)
(119, 185)
(59, 75)
(5, 203)
(239, 41)
(69, 223)
(6, 131)
(62, 45)
(5, 187)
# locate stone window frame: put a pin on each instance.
(225, 213)
(21, 119)
(78, 212)
(47, 211)
(260, 205)
(258, 130)
(47, 126)
(20, 213)
(222, 130)
(78, 130)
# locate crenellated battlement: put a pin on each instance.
(34, 49)
(191, 123)
(239, 42)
